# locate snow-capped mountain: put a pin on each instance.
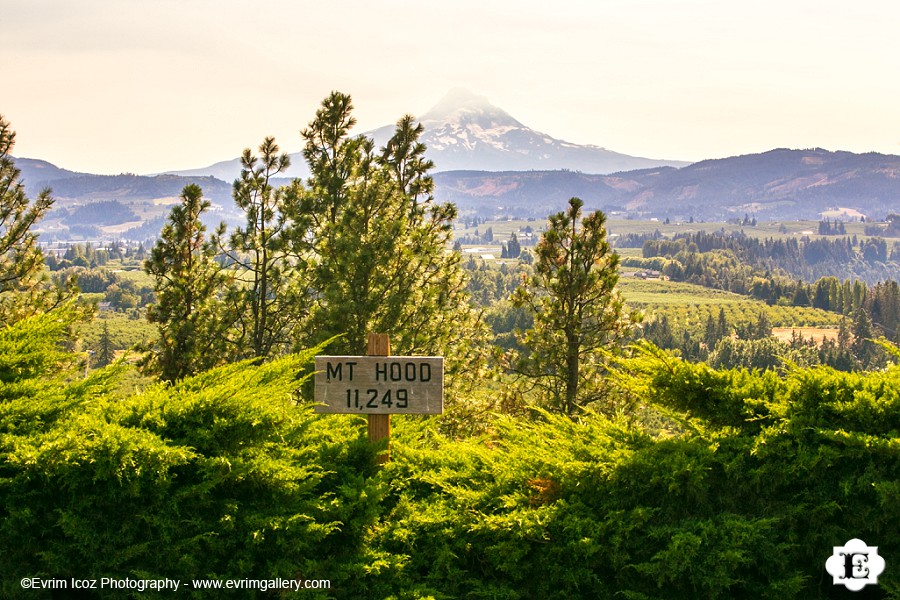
(465, 131)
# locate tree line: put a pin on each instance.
(721, 262)
(869, 259)
(726, 344)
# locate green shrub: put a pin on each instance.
(769, 474)
(228, 475)
(222, 475)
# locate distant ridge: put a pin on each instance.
(779, 184)
(39, 173)
(84, 187)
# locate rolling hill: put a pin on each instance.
(780, 184)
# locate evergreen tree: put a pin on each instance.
(188, 285)
(379, 242)
(659, 332)
(106, 352)
(579, 317)
(404, 157)
(763, 327)
(24, 290)
(269, 301)
(722, 328)
(843, 337)
(863, 332)
(801, 295)
(883, 305)
(711, 333)
(822, 292)
(513, 247)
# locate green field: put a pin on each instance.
(125, 330)
(136, 275)
(689, 306)
(661, 292)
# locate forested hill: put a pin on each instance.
(776, 185)
(86, 187)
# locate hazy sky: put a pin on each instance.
(111, 86)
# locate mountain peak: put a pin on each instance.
(464, 131)
(461, 106)
(460, 98)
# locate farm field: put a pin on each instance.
(763, 229)
(653, 292)
(136, 275)
(816, 334)
(688, 307)
(125, 330)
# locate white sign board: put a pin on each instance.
(380, 385)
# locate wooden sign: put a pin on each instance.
(380, 385)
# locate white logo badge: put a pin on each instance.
(855, 565)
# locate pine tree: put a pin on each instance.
(763, 327)
(711, 333)
(404, 157)
(269, 302)
(24, 290)
(801, 295)
(189, 282)
(514, 248)
(863, 332)
(722, 328)
(579, 317)
(659, 332)
(106, 352)
(379, 242)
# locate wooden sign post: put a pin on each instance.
(380, 425)
(379, 385)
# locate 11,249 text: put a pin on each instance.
(372, 398)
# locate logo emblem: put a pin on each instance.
(855, 565)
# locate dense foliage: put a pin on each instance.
(221, 475)
(361, 246)
(740, 490)
(377, 243)
(740, 264)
